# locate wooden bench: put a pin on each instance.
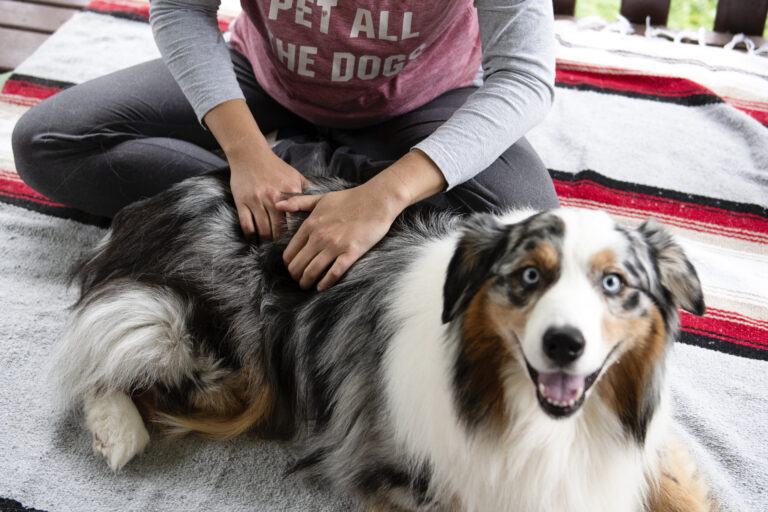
(25, 24)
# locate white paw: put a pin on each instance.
(118, 430)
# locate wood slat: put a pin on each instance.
(35, 17)
(565, 7)
(636, 11)
(17, 45)
(741, 16)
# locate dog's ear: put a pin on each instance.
(482, 241)
(676, 273)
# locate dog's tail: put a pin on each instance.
(212, 424)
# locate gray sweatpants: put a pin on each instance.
(108, 142)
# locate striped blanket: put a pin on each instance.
(641, 127)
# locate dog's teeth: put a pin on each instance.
(558, 403)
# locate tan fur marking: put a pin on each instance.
(485, 348)
(627, 328)
(643, 340)
(241, 401)
(543, 256)
(602, 261)
(379, 506)
(680, 487)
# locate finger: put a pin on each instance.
(262, 222)
(299, 203)
(297, 243)
(275, 216)
(276, 222)
(337, 271)
(305, 182)
(315, 268)
(298, 253)
(246, 220)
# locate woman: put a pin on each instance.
(383, 89)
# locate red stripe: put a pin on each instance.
(698, 217)
(138, 8)
(736, 317)
(748, 333)
(12, 186)
(759, 115)
(671, 221)
(628, 82)
(29, 90)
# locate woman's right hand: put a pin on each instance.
(259, 179)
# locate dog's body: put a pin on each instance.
(494, 363)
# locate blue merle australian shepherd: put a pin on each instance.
(489, 363)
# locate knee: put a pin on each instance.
(522, 180)
(27, 143)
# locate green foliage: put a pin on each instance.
(684, 14)
(692, 14)
(604, 8)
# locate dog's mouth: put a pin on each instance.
(561, 394)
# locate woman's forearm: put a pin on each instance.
(409, 180)
(235, 129)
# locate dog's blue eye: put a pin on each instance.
(531, 276)
(612, 284)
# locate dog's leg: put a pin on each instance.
(118, 430)
(680, 486)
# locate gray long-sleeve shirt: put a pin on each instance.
(517, 61)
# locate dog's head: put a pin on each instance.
(565, 294)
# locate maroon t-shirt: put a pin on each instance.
(352, 63)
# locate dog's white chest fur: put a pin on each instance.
(582, 463)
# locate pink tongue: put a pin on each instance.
(561, 387)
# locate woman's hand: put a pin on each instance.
(342, 227)
(259, 179)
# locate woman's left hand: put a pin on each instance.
(342, 227)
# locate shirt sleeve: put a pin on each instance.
(190, 42)
(518, 87)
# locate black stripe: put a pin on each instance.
(726, 347)
(694, 100)
(122, 15)
(40, 81)
(7, 505)
(662, 193)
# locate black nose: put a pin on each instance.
(563, 345)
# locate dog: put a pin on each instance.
(481, 363)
